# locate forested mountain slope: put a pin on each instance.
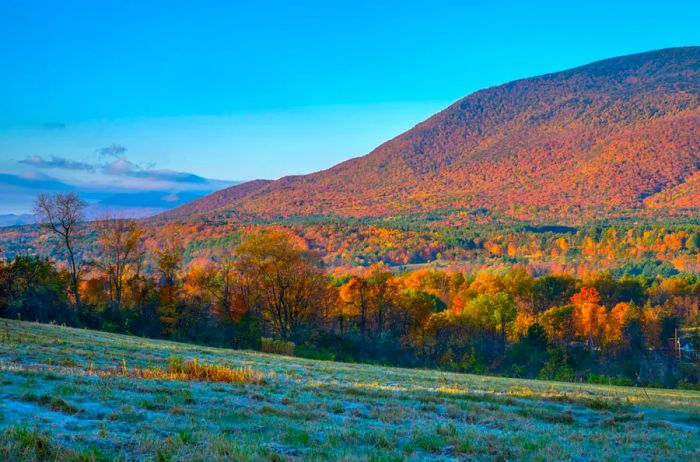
(617, 136)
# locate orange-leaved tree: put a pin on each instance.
(281, 281)
(589, 316)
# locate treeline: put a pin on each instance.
(641, 249)
(623, 249)
(271, 292)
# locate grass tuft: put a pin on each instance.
(53, 403)
(29, 444)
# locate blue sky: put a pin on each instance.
(242, 90)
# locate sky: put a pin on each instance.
(129, 96)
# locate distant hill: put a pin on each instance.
(12, 219)
(619, 136)
(125, 205)
(140, 204)
(217, 200)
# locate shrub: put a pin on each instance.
(607, 380)
(304, 351)
(280, 347)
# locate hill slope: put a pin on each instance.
(217, 200)
(597, 140)
(80, 395)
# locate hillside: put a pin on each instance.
(616, 137)
(217, 200)
(75, 394)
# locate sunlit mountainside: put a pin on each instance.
(616, 137)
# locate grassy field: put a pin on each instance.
(72, 394)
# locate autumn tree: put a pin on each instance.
(384, 295)
(416, 308)
(558, 323)
(589, 316)
(118, 242)
(552, 290)
(430, 281)
(168, 262)
(219, 282)
(617, 321)
(282, 281)
(354, 300)
(61, 214)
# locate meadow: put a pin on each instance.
(77, 394)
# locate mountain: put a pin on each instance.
(14, 219)
(140, 204)
(615, 137)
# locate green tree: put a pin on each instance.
(495, 311)
(33, 289)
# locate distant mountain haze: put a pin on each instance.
(125, 205)
(619, 136)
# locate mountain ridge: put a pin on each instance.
(595, 140)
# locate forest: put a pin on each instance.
(270, 290)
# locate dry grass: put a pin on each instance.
(191, 370)
(194, 370)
